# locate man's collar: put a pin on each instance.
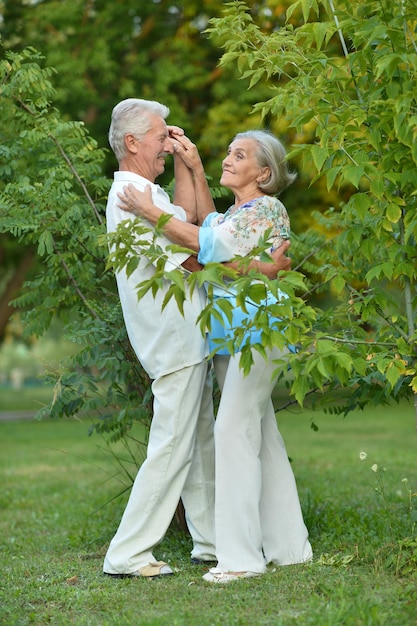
(131, 177)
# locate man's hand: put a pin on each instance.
(192, 265)
(269, 268)
(280, 262)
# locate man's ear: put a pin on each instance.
(131, 143)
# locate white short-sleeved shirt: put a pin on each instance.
(164, 341)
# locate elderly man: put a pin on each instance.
(172, 350)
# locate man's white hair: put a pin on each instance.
(132, 116)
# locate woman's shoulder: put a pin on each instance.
(271, 203)
(212, 218)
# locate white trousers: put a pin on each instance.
(258, 517)
(179, 463)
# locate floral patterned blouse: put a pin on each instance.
(238, 231)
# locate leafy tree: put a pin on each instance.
(53, 202)
(360, 108)
(104, 51)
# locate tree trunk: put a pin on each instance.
(180, 517)
(12, 289)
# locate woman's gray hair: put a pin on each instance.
(270, 153)
(132, 116)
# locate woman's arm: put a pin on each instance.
(140, 204)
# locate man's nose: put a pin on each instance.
(169, 145)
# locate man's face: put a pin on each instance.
(153, 148)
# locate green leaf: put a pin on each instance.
(362, 203)
(331, 175)
(393, 373)
(45, 245)
(320, 155)
(353, 174)
(308, 6)
(338, 283)
(394, 212)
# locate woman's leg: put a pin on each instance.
(284, 535)
(238, 442)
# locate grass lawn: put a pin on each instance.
(55, 526)
(25, 399)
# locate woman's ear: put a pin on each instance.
(264, 174)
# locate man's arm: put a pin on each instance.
(192, 265)
(269, 269)
(188, 152)
(184, 192)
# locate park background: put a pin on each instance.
(361, 513)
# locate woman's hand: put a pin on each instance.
(137, 202)
(188, 152)
(140, 203)
(175, 131)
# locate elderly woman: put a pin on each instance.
(258, 518)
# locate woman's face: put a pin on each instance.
(240, 167)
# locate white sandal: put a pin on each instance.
(215, 575)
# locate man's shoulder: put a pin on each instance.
(124, 177)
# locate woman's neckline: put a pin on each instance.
(232, 209)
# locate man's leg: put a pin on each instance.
(198, 494)
(160, 481)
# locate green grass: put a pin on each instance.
(55, 526)
(25, 399)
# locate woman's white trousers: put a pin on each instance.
(258, 516)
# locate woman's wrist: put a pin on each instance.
(152, 213)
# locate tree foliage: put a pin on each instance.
(345, 86)
(54, 201)
(105, 51)
(359, 103)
